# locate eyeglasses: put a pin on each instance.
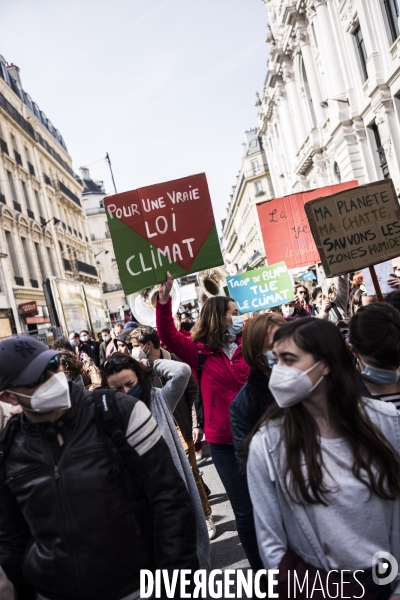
(53, 365)
(116, 360)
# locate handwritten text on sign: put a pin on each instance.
(167, 226)
(262, 288)
(285, 228)
(356, 228)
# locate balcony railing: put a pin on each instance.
(85, 268)
(3, 146)
(67, 192)
(111, 287)
(18, 157)
(31, 169)
(67, 265)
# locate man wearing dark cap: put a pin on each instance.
(74, 521)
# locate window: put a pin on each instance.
(255, 166)
(12, 253)
(381, 151)
(101, 203)
(39, 204)
(26, 195)
(362, 53)
(28, 259)
(336, 171)
(12, 186)
(51, 261)
(259, 187)
(391, 13)
(40, 261)
(308, 94)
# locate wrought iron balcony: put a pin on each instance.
(3, 146)
(85, 268)
(67, 264)
(67, 192)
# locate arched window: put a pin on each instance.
(308, 94)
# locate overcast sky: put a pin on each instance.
(167, 87)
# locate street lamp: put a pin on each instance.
(105, 251)
(56, 221)
(325, 104)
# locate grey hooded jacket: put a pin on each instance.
(283, 525)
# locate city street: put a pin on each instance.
(226, 551)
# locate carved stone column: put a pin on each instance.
(293, 98)
(312, 77)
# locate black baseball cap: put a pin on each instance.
(22, 360)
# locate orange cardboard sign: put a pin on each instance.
(285, 228)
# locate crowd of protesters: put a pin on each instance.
(101, 439)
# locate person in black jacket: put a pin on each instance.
(146, 344)
(89, 346)
(254, 397)
(71, 525)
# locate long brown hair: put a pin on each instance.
(371, 451)
(254, 338)
(210, 328)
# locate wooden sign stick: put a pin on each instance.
(376, 284)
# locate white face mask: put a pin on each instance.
(287, 311)
(53, 394)
(290, 386)
(138, 354)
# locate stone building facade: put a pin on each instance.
(241, 243)
(93, 203)
(43, 228)
(329, 110)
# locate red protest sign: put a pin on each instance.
(285, 228)
(167, 226)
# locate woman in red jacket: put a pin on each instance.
(216, 336)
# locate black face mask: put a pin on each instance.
(136, 390)
(187, 326)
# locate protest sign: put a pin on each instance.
(164, 227)
(285, 229)
(383, 272)
(356, 228)
(261, 288)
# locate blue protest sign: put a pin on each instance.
(262, 288)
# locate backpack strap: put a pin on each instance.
(111, 427)
(6, 439)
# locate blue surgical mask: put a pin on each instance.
(380, 376)
(136, 390)
(84, 338)
(72, 342)
(106, 338)
(270, 358)
(237, 325)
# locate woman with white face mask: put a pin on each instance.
(374, 339)
(214, 353)
(324, 468)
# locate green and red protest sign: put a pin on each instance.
(164, 227)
